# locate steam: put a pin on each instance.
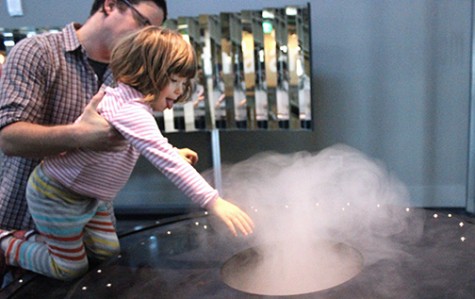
(338, 194)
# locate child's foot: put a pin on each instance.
(24, 235)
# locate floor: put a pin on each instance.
(183, 256)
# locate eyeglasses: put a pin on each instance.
(142, 20)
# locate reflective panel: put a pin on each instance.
(254, 70)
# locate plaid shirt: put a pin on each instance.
(46, 80)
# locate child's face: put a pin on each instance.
(170, 93)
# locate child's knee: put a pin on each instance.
(71, 272)
(112, 252)
(103, 254)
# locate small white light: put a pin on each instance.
(267, 14)
(20, 280)
(462, 239)
(206, 212)
(205, 226)
(169, 232)
(157, 222)
(348, 204)
(197, 223)
(109, 285)
(435, 216)
(84, 288)
(291, 11)
(450, 215)
(378, 205)
(407, 209)
(255, 210)
(461, 224)
(99, 271)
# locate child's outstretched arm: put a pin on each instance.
(234, 218)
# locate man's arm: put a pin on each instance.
(37, 141)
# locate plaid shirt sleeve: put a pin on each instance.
(23, 82)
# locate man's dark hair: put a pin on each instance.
(98, 4)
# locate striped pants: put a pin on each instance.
(73, 227)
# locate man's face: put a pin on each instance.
(132, 17)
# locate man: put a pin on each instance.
(45, 86)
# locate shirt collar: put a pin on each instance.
(71, 40)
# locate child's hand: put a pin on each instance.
(234, 218)
(188, 155)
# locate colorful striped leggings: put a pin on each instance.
(73, 227)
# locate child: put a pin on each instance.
(67, 193)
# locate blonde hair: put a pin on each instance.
(145, 60)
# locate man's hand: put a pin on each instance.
(96, 133)
(91, 131)
(188, 155)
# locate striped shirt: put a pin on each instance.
(46, 80)
(102, 174)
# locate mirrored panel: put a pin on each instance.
(254, 70)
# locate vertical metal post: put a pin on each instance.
(216, 152)
(470, 204)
